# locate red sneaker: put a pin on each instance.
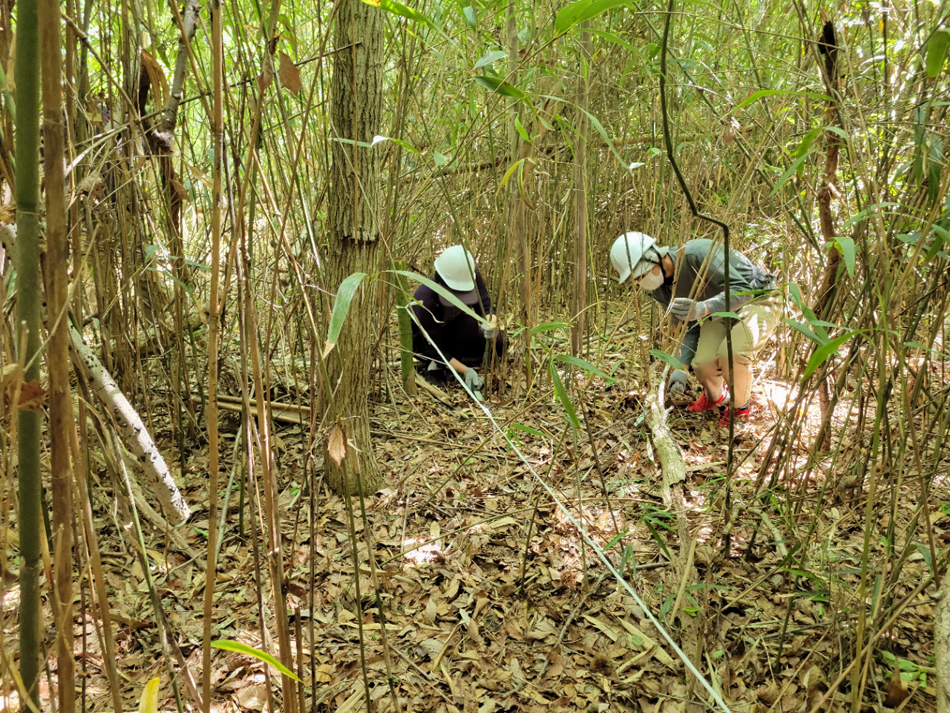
(703, 403)
(740, 413)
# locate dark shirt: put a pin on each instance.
(689, 262)
(457, 334)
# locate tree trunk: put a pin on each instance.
(28, 300)
(356, 96)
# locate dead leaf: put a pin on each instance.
(896, 689)
(253, 697)
(336, 445)
(32, 396)
(432, 610)
(767, 694)
(323, 674)
(156, 77)
(266, 76)
(289, 74)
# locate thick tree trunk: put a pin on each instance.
(353, 224)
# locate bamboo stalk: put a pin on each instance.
(28, 303)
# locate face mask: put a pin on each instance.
(650, 281)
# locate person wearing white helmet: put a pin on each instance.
(690, 282)
(459, 336)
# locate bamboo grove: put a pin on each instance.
(188, 190)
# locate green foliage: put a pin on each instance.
(937, 47)
(341, 307)
(238, 647)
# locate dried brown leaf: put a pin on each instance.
(289, 74)
(336, 445)
(156, 77)
(32, 396)
(767, 694)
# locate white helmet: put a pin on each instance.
(626, 255)
(456, 267)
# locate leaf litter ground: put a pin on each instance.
(484, 612)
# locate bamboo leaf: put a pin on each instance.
(521, 130)
(824, 352)
(846, 246)
(341, 306)
(671, 360)
(468, 12)
(149, 701)
(788, 174)
(237, 646)
(562, 396)
(494, 84)
(937, 47)
(585, 365)
(576, 12)
(762, 93)
(550, 327)
(525, 429)
(443, 291)
(508, 174)
(490, 57)
(397, 8)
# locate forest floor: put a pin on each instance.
(493, 603)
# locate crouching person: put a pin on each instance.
(460, 337)
(690, 282)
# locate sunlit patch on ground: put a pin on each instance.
(427, 553)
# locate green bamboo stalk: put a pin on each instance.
(406, 363)
(27, 75)
(57, 354)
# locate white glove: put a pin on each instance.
(490, 327)
(473, 380)
(678, 382)
(688, 310)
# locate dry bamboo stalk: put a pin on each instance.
(131, 428)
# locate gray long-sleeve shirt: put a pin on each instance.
(690, 264)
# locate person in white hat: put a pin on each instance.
(671, 277)
(459, 336)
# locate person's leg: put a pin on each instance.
(706, 365)
(756, 323)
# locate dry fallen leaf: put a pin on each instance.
(253, 697)
(336, 445)
(767, 694)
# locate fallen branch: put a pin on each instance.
(131, 429)
(673, 467)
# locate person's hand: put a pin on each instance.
(473, 380)
(688, 310)
(678, 382)
(490, 327)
